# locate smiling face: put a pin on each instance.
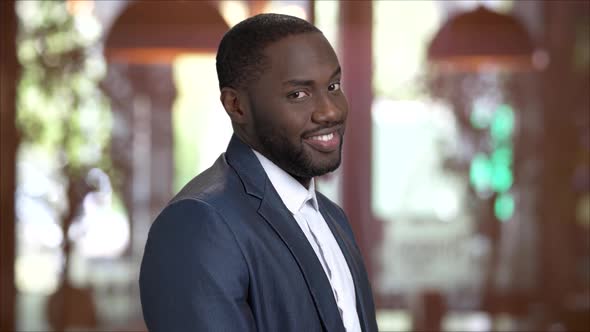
(297, 110)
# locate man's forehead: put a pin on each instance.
(301, 55)
(310, 41)
(306, 81)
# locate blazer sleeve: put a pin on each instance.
(193, 275)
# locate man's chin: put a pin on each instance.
(309, 162)
(325, 163)
(310, 170)
(325, 168)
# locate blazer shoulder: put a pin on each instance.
(221, 189)
(193, 274)
(212, 186)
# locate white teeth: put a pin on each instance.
(324, 138)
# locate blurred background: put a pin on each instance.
(466, 170)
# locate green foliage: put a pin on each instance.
(60, 107)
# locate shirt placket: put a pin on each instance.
(308, 213)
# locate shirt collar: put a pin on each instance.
(292, 193)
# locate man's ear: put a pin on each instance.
(234, 104)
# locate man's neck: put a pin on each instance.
(303, 180)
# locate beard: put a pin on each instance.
(293, 158)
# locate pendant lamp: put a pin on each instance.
(480, 39)
(158, 31)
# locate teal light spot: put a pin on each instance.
(504, 207)
(480, 172)
(501, 178)
(502, 156)
(502, 124)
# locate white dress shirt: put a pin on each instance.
(303, 205)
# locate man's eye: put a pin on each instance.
(298, 95)
(334, 87)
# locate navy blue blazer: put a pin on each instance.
(227, 255)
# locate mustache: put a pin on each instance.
(338, 126)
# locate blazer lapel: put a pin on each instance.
(281, 220)
(352, 259)
(276, 214)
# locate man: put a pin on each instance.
(249, 245)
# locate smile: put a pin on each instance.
(324, 143)
(324, 138)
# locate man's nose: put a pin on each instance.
(329, 111)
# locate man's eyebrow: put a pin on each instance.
(297, 82)
(337, 72)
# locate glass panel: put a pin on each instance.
(72, 228)
(443, 178)
(202, 129)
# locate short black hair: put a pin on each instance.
(240, 55)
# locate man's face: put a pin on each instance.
(298, 110)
